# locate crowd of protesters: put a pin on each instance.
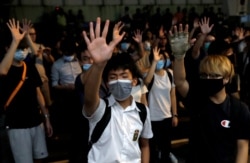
(62, 68)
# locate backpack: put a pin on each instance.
(101, 125)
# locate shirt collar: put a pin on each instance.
(112, 101)
(74, 60)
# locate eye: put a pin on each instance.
(216, 76)
(203, 76)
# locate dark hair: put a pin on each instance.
(23, 44)
(218, 47)
(120, 61)
(68, 45)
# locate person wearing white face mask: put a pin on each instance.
(63, 75)
(23, 116)
(162, 104)
(124, 130)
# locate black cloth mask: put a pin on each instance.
(212, 86)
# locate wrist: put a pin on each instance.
(46, 116)
(175, 115)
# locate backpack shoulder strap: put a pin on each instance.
(170, 76)
(151, 83)
(143, 111)
(101, 125)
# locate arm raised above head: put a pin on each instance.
(100, 52)
(179, 44)
(14, 27)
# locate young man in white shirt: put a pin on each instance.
(120, 140)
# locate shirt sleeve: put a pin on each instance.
(54, 75)
(147, 129)
(244, 123)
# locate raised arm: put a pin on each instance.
(26, 25)
(16, 38)
(205, 29)
(179, 44)
(150, 74)
(100, 52)
(138, 38)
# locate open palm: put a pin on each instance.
(101, 51)
(14, 29)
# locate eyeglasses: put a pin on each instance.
(210, 76)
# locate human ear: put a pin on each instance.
(134, 82)
(226, 80)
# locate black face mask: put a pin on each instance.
(212, 86)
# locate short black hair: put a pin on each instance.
(120, 61)
(23, 45)
(68, 45)
(218, 47)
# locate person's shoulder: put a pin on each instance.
(239, 107)
(59, 61)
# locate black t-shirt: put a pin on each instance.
(215, 128)
(23, 111)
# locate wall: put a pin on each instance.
(90, 12)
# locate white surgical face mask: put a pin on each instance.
(68, 58)
(160, 65)
(167, 63)
(147, 46)
(124, 46)
(120, 89)
(85, 67)
(20, 55)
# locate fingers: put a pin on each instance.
(119, 26)
(91, 31)
(105, 29)
(98, 27)
(87, 41)
(11, 23)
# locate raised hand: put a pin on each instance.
(26, 25)
(196, 23)
(99, 50)
(137, 36)
(179, 41)
(161, 32)
(239, 32)
(116, 32)
(14, 29)
(204, 25)
(156, 52)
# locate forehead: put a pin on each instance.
(85, 53)
(120, 71)
(32, 30)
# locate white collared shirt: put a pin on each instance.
(118, 143)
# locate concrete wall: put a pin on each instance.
(91, 12)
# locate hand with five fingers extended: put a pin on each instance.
(156, 52)
(14, 29)
(99, 50)
(204, 25)
(137, 36)
(26, 25)
(179, 41)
